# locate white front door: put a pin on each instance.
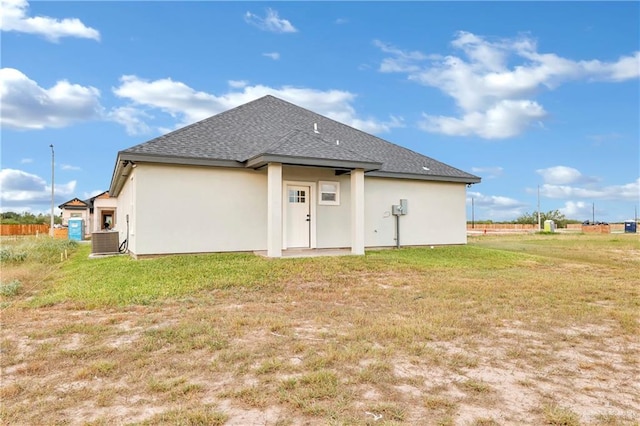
(298, 216)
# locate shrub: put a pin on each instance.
(10, 289)
(41, 250)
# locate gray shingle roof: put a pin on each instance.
(304, 144)
(270, 125)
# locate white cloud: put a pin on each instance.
(563, 175)
(629, 191)
(505, 119)
(341, 21)
(69, 167)
(181, 101)
(271, 22)
(237, 84)
(493, 82)
(488, 172)
(495, 207)
(494, 201)
(400, 61)
(273, 55)
(87, 195)
(20, 188)
(576, 209)
(26, 161)
(172, 97)
(566, 191)
(562, 182)
(132, 119)
(14, 18)
(599, 138)
(26, 105)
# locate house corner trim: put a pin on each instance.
(357, 211)
(274, 210)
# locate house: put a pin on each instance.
(97, 212)
(271, 176)
(74, 208)
(103, 208)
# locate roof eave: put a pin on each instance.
(126, 161)
(264, 159)
(170, 159)
(62, 206)
(120, 173)
(417, 176)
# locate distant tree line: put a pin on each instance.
(26, 218)
(532, 219)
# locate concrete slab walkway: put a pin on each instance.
(305, 252)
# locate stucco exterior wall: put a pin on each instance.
(436, 212)
(181, 209)
(103, 204)
(126, 206)
(82, 214)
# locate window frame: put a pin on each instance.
(299, 196)
(335, 202)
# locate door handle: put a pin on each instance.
(308, 218)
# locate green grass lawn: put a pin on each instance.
(527, 329)
(118, 281)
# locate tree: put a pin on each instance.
(532, 218)
(27, 218)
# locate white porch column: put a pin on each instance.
(357, 211)
(274, 210)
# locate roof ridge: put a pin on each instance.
(343, 148)
(280, 142)
(364, 133)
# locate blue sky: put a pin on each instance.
(526, 95)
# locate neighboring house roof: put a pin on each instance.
(103, 194)
(78, 204)
(89, 201)
(74, 204)
(269, 129)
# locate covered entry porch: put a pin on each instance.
(293, 213)
(315, 208)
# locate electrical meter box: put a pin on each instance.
(403, 206)
(399, 210)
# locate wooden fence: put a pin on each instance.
(596, 229)
(571, 227)
(61, 233)
(22, 229)
(502, 226)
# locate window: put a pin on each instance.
(297, 196)
(76, 214)
(329, 193)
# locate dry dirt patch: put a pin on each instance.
(127, 366)
(411, 339)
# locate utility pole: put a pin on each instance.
(52, 190)
(593, 213)
(473, 215)
(539, 227)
